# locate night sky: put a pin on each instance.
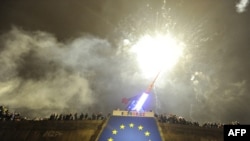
(70, 56)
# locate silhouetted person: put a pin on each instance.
(81, 116)
(75, 116)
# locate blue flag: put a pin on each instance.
(121, 128)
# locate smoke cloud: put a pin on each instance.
(39, 73)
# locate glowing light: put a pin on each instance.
(157, 52)
(140, 102)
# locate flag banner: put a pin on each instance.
(121, 128)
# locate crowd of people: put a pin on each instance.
(82, 116)
(6, 115)
(174, 119)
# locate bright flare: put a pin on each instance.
(155, 53)
(140, 102)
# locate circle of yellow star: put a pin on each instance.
(122, 126)
(147, 133)
(114, 132)
(110, 139)
(140, 127)
(131, 125)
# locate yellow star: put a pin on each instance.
(122, 126)
(140, 127)
(147, 133)
(110, 139)
(114, 132)
(131, 125)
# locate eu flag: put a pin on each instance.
(120, 128)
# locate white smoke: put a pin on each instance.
(241, 6)
(34, 73)
(42, 74)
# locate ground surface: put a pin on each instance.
(88, 130)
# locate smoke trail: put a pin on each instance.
(241, 6)
(157, 103)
